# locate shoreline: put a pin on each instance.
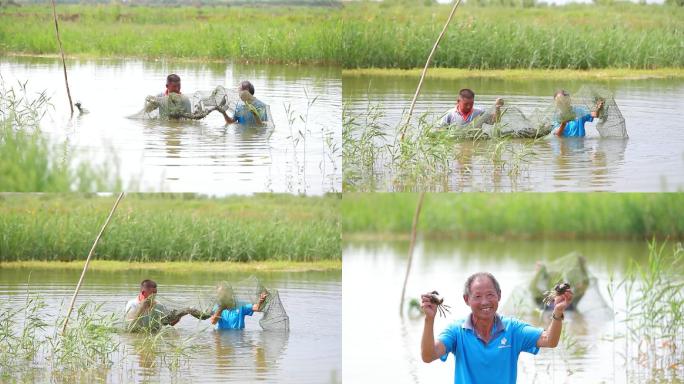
(163, 59)
(521, 74)
(181, 266)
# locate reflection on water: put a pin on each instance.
(652, 110)
(193, 351)
(378, 269)
(298, 155)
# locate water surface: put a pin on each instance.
(381, 346)
(206, 156)
(309, 353)
(651, 160)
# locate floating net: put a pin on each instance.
(512, 122)
(201, 304)
(610, 122)
(570, 268)
(195, 107)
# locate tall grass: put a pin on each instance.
(653, 349)
(574, 36)
(528, 215)
(148, 227)
(428, 158)
(29, 162)
(272, 34)
(89, 351)
(363, 34)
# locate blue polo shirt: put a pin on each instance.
(234, 318)
(243, 114)
(575, 128)
(493, 363)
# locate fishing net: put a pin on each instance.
(570, 268)
(610, 122)
(511, 122)
(195, 107)
(201, 304)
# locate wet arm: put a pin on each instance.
(228, 119)
(550, 337)
(257, 307)
(255, 113)
(430, 350)
(559, 131)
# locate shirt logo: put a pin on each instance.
(503, 343)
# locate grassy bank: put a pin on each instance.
(273, 34)
(181, 266)
(362, 34)
(162, 228)
(568, 37)
(521, 74)
(522, 215)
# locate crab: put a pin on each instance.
(439, 302)
(558, 290)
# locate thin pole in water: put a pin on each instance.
(414, 229)
(90, 254)
(61, 50)
(427, 64)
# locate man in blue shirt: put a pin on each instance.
(234, 317)
(569, 120)
(485, 344)
(250, 111)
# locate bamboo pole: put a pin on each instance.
(90, 254)
(427, 64)
(61, 50)
(414, 229)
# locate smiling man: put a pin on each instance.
(485, 344)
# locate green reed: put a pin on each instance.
(152, 227)
(91, 349)
(652, 346)
(387, 35)
(522, 215)
(272, 34)
(29, 162)
(428, 157)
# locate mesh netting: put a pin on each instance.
(198, 106)
(570, 268)
(610, 122)
(512, 122)
(201, 304)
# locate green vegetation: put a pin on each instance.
(390, 35)
(522, 74)
(653, 314)
(363, 34)
(181, 267)
(161, 228)
(428, 157)
(28, 162)
(89, 351)
(273, 34)
(522, 215)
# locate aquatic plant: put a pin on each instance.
(29, 162)
(152, 227)
(638, 216)
(653, 316)
(425, 156)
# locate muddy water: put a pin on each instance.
(651, 159)
(298, 155)
(381, 346)
(309, 353)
